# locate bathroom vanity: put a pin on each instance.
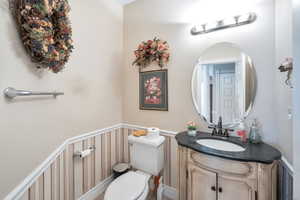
(212, 174)
(215, 166)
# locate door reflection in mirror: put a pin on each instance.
(224, 84)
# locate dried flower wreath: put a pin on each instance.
(45, 31)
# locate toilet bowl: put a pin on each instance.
(130, 186)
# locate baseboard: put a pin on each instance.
(97, 190)
(169, 192)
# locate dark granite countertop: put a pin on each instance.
(261, 153)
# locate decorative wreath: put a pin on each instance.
(155, 50)
(46, 31)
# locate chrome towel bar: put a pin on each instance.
(12, 93)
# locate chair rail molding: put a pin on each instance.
(288, 165)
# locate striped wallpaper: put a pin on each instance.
(70, 177)
(285, 182)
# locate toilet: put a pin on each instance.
(147, 158)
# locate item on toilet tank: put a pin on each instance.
(153, 132)
(139, 133)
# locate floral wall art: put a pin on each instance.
(154, 90)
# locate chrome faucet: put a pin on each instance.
(220, 126)
(218, 129)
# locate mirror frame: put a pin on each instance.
(254, 86)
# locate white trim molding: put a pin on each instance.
(287, 164)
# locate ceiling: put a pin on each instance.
(124, 2)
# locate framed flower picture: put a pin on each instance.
(154, 90)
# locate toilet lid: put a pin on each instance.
(129, 186)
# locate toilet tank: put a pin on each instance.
(147, 153)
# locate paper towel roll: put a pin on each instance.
(153, 132)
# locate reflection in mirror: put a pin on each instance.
(224, 85)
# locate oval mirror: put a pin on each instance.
(224, 85)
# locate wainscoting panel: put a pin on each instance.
(64, 176)
(170, 170)
(95, 168)
(285, 182)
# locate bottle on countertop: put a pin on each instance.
(242, 131)
(254, 136)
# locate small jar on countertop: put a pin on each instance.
(254, 136)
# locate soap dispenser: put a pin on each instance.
(254, 136)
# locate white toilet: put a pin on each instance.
(147, 157)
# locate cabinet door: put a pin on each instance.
(202, 184)
(230, 188)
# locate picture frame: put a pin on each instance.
(154, 90)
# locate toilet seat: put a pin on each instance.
(129, 186)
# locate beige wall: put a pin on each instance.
(283, 41)
(296, 97)
(146, 19)
(32, 128)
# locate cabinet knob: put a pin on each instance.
(220, 190)
(213, 188)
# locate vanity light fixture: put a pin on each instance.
(231, 22)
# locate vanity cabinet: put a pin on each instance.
(235, 188)
(204, 177)
(201, 183)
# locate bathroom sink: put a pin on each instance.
(221, 145)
